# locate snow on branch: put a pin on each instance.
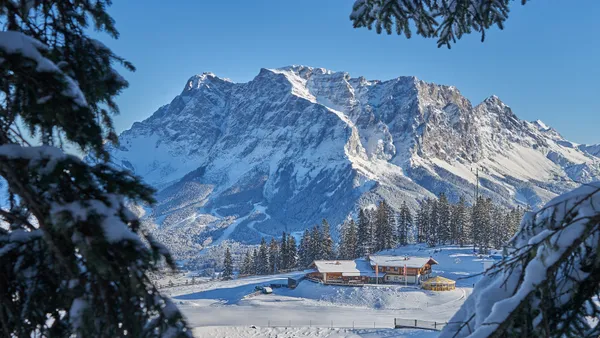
(446, 20)
(12, 42)
(548, 283)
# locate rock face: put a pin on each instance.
(297, 144)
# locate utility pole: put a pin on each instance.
(477, 178)
(476, 192)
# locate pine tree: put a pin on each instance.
(423, 221)
(343, 244)
(327, 244)
(353, 247)
(292, 253)
(256, 269)
(342, 248)
(433, 226)
(476, 223)
(443, 226)
(384, 227)
(274, 257)
(487, 226)
(316, 244)
(284, 254)
(247, 267)
(461, 229)
(365, 235)
(515, 220)
(482, 225)
(74, 260)
(263, 265)
(228, 263)
(304, 255)
(499, 230)
(348, 248)
(507, 232)
(410, 225)
(405, 233)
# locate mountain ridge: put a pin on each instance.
(297, 144)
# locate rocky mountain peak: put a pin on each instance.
(297, 144)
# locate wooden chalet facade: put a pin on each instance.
(349, 272)
(392, 268)
(375, 270)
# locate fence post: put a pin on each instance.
(415, 323)
(435, 325)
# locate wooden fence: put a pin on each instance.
(401, 323)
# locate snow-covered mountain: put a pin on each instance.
(296, 144)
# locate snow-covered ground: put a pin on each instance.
(230, 308)
(293, 332)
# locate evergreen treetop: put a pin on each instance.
(228, 264)
(445, 20)
(74, 259)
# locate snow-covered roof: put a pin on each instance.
(401, 261)
(357, 267)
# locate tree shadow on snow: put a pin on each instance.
(228, 295)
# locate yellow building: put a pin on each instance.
(438, 283)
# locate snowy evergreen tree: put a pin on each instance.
(498, 229)
(327, 244)
(342, 249)
(292, 253)
(423, 220)
(284, 255)
(256, 269)
(74, 260)
(316, 244)
(247, 266)
(443, 226)
(304, 252)
(461, 225)
(262, 265)
(482, 225)
(549, 282)
(475, 223)
(274, 257)
(349, 242)
(446, 21)
(508, 230)
(433, 226)
(228, 264)
(404, 224)
(365, 234)
(384, 227)
(515, 220)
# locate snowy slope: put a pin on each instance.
(296, 144)
(230, 308)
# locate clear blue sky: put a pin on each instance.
(545, 64)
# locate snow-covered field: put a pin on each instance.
(230, 308)
(294, 332)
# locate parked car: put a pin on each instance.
(263, 289)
